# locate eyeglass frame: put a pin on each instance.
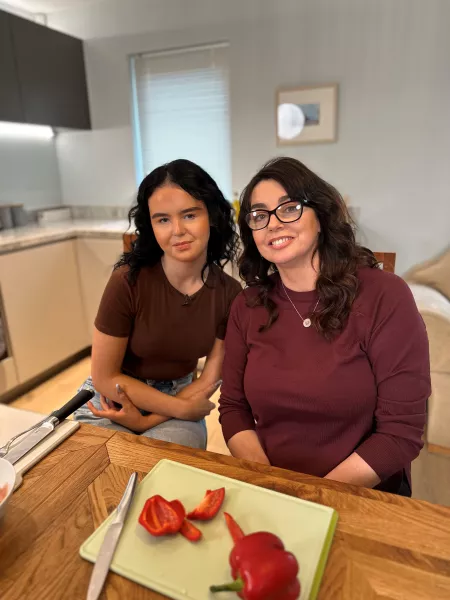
(302, 201)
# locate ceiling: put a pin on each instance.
(43, 6)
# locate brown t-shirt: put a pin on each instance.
(167, 333)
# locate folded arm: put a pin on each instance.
(246, 444)
(127, 414)
(211, 373)
(107, 357)
(356, 471)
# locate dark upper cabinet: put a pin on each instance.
(10, 101)
(49, 67)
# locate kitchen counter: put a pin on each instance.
(37, 235)
(52, 279)
(385, 546)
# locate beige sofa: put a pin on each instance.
(430, 284)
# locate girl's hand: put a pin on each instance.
(196, 403)
(128, 415)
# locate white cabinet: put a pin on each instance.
(96, 259)
(43, 306)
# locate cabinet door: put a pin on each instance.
(52, 76)
(10, 102)
(43, 307)
(8, 375)
(96, 259)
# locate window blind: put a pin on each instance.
(181, 110)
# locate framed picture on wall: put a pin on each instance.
(307, 115)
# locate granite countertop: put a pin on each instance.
(36, 235)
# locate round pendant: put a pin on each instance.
(307, 323)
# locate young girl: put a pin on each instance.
(164, 307)
(326, 367)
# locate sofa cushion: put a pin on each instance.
(434, 273)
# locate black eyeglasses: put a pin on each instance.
(286, 212)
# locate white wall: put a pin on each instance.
(29, 173)
(390, 58)
(110, 18)
(96, 167)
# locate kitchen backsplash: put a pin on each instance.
(105, 213)
(100, 212)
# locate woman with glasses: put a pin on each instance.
(326, 365)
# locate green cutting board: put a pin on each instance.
(183, 570)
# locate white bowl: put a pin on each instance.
(8, 476)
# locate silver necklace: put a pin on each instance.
(307, 321)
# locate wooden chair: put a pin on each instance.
(386, 260)
(128, 239)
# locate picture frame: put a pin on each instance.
(306, 115)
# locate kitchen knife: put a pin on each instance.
(47, 427)
(108, 547)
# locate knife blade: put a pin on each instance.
(108, 547)
(47, 427)
(31, 440)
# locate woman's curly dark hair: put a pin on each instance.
(339, 254)
(195, 181)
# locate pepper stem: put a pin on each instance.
(236, 586)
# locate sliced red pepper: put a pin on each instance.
(178, 506)
(234, 529)
(159, 517)
(188, 530)
(209, 506)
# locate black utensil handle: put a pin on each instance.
(71, 406)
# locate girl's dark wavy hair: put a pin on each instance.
(340, 256)
(223, 240)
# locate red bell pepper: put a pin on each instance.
(188, 530)
(262, 569)
(159, 517)
(178, 506)
(234, 529)
(209, 506)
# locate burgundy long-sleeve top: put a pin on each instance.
(314, 402)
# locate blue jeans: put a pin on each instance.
(185, 433)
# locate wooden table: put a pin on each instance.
(384, 547)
